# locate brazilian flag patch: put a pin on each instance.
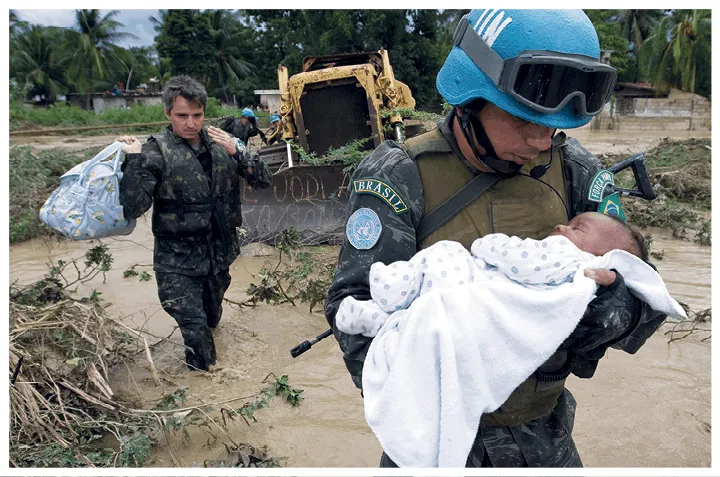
(611, 206)
(378, 188)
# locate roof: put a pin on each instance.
(647, 86)
(267, 91)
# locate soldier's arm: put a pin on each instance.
(253, 169)
(141, 172)
(615, 317)
(390, 165)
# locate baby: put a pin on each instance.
(533, 263)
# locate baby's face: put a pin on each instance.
(592, 232)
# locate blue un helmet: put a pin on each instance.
(247, 113)
(539, 65)
(274, 118)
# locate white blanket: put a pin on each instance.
(454, 354)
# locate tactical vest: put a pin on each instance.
(519, 206)
(184, 201)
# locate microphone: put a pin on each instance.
(538, 171)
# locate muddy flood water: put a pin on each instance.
(651, 409)
(647, 410)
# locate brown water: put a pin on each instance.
(596, 141)
(647, 410)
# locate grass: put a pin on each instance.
(60, 115)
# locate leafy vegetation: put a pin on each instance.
(63, 411)
(303, 275)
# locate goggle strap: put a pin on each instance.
(478, 51)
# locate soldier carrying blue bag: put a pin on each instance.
(191, 177)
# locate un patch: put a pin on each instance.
(380, 189)
(363, 228)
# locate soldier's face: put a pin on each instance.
(514, 139)
(186, 118)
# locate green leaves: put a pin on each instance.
(287, 392)
(302, 276)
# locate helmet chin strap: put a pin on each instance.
(490, 159)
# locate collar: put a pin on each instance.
(204, 137)
(445, 128)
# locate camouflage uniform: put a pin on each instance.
(615, 318)
(196, 197)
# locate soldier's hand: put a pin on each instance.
(131, 146)
(224, 139)
(602, 276)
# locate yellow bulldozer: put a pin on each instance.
(337, 99)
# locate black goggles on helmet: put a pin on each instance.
(543, 80)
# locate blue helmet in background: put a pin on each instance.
(274, 118)
(539, 65)
(247, 113)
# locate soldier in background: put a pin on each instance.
(191, 177)
(245, 127)
(273, 133)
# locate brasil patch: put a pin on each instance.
(380, 189)
(363, 229)
(598, 184)
(611, 206)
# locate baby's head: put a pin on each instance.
(597, 233)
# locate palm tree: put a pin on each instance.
(678, 45)
(16, 25)
(229, 66)
(93, 48)
(138, 62)
(637, 25)
(37, 63)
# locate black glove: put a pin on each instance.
(609, 318)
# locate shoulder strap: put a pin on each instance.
(432, 141)
(443, 213)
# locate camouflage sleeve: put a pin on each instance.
(580, 167)
(141, 172)
(387, 183)
(254, 170)
(615, 317)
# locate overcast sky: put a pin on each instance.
(136, 22)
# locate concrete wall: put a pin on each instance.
(678, 113)
(272, 100)
(101, 101)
